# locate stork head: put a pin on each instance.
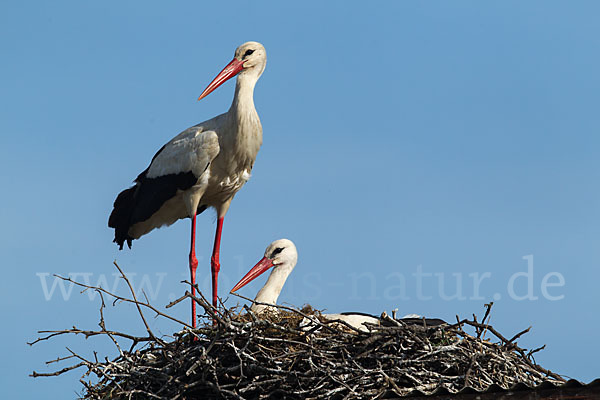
(281, 254)
(249, 60)
(253, 57)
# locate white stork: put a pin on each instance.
(283, 256)
(204, 166)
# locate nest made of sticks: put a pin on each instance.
(243, 355)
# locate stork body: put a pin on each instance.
(204, 166)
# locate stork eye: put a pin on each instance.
(248, 52)
(276, 251)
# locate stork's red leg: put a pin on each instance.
(193, 265)
(214, 261)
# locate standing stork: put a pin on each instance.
(282, 256)
(204, 166)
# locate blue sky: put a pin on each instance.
(425, 156)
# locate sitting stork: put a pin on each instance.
(282, 256)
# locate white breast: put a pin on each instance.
(232, 184)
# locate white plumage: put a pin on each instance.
(191, 151)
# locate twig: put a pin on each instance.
(137, 304)
(124, 299)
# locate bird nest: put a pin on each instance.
(239, 355)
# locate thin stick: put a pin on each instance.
(137, 304)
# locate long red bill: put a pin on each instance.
(258, 269)
(230, 70)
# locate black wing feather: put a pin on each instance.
(140, 202)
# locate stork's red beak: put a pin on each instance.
(257, 270)
(231, 70)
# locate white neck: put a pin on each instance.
(243, 100)
(243, 138)
(270, 292)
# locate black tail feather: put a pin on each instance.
(120, 218)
